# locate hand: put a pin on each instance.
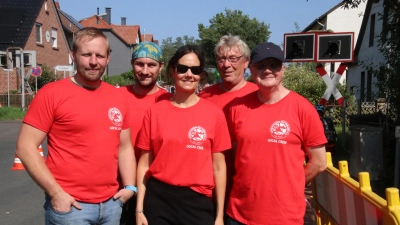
(62, 201)
(219, 221)
(141, 219)
(124, 195)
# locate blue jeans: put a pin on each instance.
(231, 221)
(105, 213)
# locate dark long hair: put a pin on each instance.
(183, 51)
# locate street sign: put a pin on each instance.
(319, 47)
(299, 47)
(36, 71)
(64, 68)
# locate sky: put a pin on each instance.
(176, 18)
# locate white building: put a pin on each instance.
(366, 52)
(339, 19)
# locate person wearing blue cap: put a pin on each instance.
(147, 63)
(273, 129)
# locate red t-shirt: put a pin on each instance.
(138, 106)
(220, 98)
(182, 140)
(269, 181)
(83, 133)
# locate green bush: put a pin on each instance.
(11, 113)
(46, 77)
(124, 79)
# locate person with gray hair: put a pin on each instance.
(232, 58)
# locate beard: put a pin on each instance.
(91, 76)
(146, 82)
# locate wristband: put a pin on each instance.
(139, 211)
(132, 188)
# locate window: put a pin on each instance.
(369, 87)
(38, 33)
(54, 37)
(372, 30)
(362, 91)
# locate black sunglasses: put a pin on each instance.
(273, 66)
(196, 70)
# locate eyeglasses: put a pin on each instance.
(231, 59)
(273, 66)
(196, 70)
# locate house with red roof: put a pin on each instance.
(122, 39)
(33, 26)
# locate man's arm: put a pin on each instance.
(126, 165)
(316, 162)
(28, 142)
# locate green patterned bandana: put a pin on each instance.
(148, 50)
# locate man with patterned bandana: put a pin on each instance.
(147, 63)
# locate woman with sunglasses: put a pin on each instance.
(182, 140)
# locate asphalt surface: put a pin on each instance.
(21, 199)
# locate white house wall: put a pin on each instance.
(368, 55)
(343, 20)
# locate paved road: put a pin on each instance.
(21, 200)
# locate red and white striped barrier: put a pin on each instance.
(339, 199)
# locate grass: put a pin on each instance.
(11, 113)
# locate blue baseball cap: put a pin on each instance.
(266, 50)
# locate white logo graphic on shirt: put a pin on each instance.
(197, 135)
(115, 116)
(280, 129)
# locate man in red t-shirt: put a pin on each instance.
(273, 129)
(86, 122)
(233, 57)
(147, 63)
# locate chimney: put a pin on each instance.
(97, 17)
(123, 20)
(57, 5)
(108, 11)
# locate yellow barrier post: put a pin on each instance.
(365, 183)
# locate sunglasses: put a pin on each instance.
(196, 70)
(273, 66)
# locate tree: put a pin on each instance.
(233, 22)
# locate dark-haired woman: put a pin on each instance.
(182, 140)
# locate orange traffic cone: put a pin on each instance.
(17, 164)
(41, 151)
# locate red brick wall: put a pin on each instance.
(45, 53)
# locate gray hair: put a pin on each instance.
(229, 42)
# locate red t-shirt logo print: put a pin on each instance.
(197, 135)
